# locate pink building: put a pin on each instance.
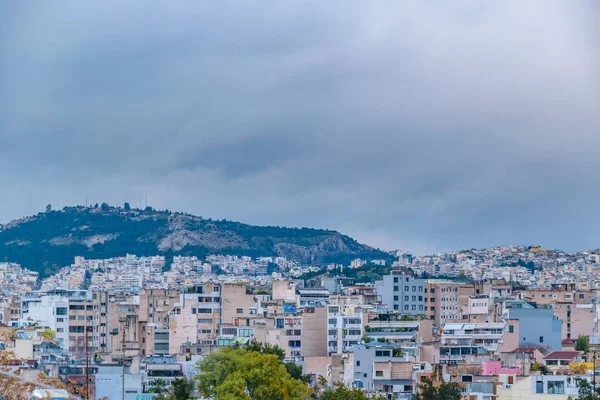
(489, 368)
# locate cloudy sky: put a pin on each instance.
(426, 126)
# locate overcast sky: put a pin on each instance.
(426, 126)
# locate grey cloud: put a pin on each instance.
(419, 126)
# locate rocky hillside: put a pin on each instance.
(49, 240)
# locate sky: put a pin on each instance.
(424, 126)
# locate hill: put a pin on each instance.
(49, 240)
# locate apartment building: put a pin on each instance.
(49, 309)
(402, 293)
(345, 325)
(446, 301)
(81, 325)
(459, 339)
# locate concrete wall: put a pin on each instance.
(536, 324)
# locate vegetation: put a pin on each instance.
(539, 367)
(341, 392)
(238, 373)
(583, 344)
(430, 390)
(51, 239)
(586, 390)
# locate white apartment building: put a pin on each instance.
(344, 327)
(51, 311)
(475, 335)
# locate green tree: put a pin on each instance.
(585, 390)
(237, 373)
(126, 206)
(105, 207)
(181, 389)
(160, 387)
(341, 392)
(583, 344)
(428, 390)
(49, 208)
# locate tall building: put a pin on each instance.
(402, 293)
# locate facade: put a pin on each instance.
(402, 293)
(538, 327)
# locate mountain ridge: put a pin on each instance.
(49, 240)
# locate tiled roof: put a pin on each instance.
(562, 355)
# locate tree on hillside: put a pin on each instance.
(430, 390)
(126, 206)
(105, 207)
(49, 208)
(237, 373)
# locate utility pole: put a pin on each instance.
(123, 377)
(87, 355)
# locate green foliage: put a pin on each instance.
(341, 392)
(237, 373)
(539, 367)
(263, 348)
(126, 207)
(429, 390)
(181, 389)
(160, 387)
(583, 344)
(50, 240)
(586, 390)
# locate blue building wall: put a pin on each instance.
(538, 326)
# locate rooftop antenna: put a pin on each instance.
(146, 205)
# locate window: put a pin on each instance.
(61, 310)
(60, 320)
(539, 387)
(204, 311)
(420, 288)
(420, 308)
(395, 280)
(239, 311)
(581, 296)
(59, 330)
(205, 321)
(406, 288)
(395, 298)
(382, 353)
(406, 307)
(425, 299)
(414, 307)
(420, 298)
(81, 317)
(414, 298)
(432, 290)
(511, 329)
(378, 373)
(365, 375)
(425, 290)
(541, 339)
(426, 308)
(432, 308)
(396, 307)
(432, 299)
(358, 362)
(395, 288)
(556, 387)
(405, 298)
(294, 343)
(414, 288)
